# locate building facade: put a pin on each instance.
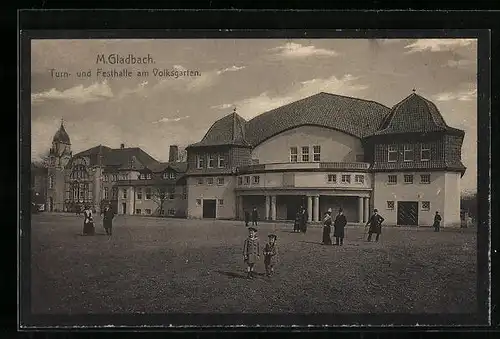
(330, 151)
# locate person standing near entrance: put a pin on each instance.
(296, 224)
(437, 222)
(327, 227)
(247, 218)
(109, 214)
(339, 228)
(303, 221)
(251, 251)
(375, 223)
(88, 222)
(255, 216)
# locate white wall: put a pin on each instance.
(335, 145)
(433, 192)
(451, 212)
(225, 192)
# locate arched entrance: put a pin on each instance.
(51, 204)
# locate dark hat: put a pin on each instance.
(272, 236)
(375, 210)
(252, 229)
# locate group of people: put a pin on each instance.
(251, 253)
(88, 221)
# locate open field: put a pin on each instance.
(196, 266)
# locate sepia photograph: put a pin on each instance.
(254, 176)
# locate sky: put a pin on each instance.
(251, 75)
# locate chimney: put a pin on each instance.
(173, 155)
(122, 146)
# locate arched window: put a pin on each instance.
(79, 172)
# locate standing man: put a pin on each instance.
(303, 221)
(108, 220)
(437, 221)
(375, 223)
(247, 218)
(255, 216)
(339, 227)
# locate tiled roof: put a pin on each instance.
(414, 114)
(354, 116)
(179, 167)
(61, 136)
(229, 130)
(121, 158)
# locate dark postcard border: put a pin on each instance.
(31, 320)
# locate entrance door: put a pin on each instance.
(124, 208)
(407, 213)
(209, 207)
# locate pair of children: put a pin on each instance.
(251, 252)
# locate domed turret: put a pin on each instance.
(61, 135)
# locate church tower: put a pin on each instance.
(59, 156)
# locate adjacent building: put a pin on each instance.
(324, 151)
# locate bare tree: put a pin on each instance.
(159, 195)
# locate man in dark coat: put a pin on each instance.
(108, 220)
(247, 218)
(255, 216)
(375, 223)
(437, 222)
(339, 226)
(303, 221)
(298, 217)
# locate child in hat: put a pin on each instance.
(251, 250)
(270, 254)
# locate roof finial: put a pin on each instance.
(62, 121)
(414, 90)
(234, 109)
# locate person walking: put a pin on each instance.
(109, 214)
(375, 223)
(339, 228)
(88, 221)
(327, 227)
(437, 222)
(255, 216)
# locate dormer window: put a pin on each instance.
(142, 176)
(392, 153)
(211, 161)
(408, 153)
(199, 161)
(148, 176)
(171, 175)
(425, 153)
(221, 162)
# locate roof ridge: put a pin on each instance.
(350, 97)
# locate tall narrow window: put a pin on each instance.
(199, 161)
(139, 194)
(425, 153)
(114, 192)
(293, 154)
(106, 193)
(316, 153)
(240, 181)
(305, 153)
(51, 181)
(211, 161)
(124, 193)
(221, 162)
(392, 155)
(408, 153)
(148, 193)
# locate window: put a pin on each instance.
(392, 153)
(293, 154)
(148, 193)
(139, 194)
(138, 211)
(106, 193)
(221, 201)
(425, 178)
(123, 176)
(148, 176)
(51, 181)
(114, 192)
(171, 212)
(305, 153)
(114, 177)
(408, 153)
(247, 180)
(359, 179)
(199, 181)
(198, 202)
(124, 193)
(220, 181)
(171, 175)
(105, 178)
(211, 161)
(346, 178)
(240, 181)
(162, 212)
(316, 153)
(220, 161)
(142, 176)
(426, 205)
(392, 179)
(184, 192)
(425, 153)
(210, 181)
(171, 193)
(390, 205)
(256, 179)
(332, 178)
(148, 211)
(199, 161)
(408, 179)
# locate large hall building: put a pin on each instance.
(324, 151)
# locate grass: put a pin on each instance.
(196, 266)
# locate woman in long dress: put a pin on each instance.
(88, 222)
(327, 227)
